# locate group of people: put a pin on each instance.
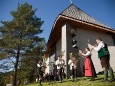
(89, 70)
(103, 55)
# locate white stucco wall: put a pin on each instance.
(47, 70)
(58, 46)
(64, 44)
(84, 39)
(112, 57)
(87, 37)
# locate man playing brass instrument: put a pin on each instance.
(104, 56)
(60, 64)
(40, 72)
(73, 66)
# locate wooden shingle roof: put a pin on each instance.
(74, 12)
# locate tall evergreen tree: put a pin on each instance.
(20, 34)
(31, 58)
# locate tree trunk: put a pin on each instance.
(16, 67)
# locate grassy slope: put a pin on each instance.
(79, 82)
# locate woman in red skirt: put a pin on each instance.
(88, 64)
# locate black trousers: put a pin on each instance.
(93, 70)
(40, 75)
(60, 73)
(74, 73)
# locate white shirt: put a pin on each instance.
(70, 62)
(87, 54)
(38, 65)
(58, 62)
(100, 45)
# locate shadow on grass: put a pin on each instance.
(99, 79)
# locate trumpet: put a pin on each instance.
(93, 46)
(79, 54)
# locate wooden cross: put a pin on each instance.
(70, 1)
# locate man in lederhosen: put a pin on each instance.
(104, 56)
(60, 63)
(73, 66)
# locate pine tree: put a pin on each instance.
(31, 58)
(20, 34)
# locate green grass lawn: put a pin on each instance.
(80, 82)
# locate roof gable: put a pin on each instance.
(76, 13)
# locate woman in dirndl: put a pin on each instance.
(88, 64)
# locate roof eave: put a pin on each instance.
(90, 24)
(61, 18)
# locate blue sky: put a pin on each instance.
(48, 10)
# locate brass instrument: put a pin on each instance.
(60, 55)
(79, 54)
(43, 63)
(93, 46)
(74, 60)
(62, 60)
(43, 67)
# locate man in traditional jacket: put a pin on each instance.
(60, 63)
(104, 56)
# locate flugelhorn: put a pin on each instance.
(93, 46)
(79, 54)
